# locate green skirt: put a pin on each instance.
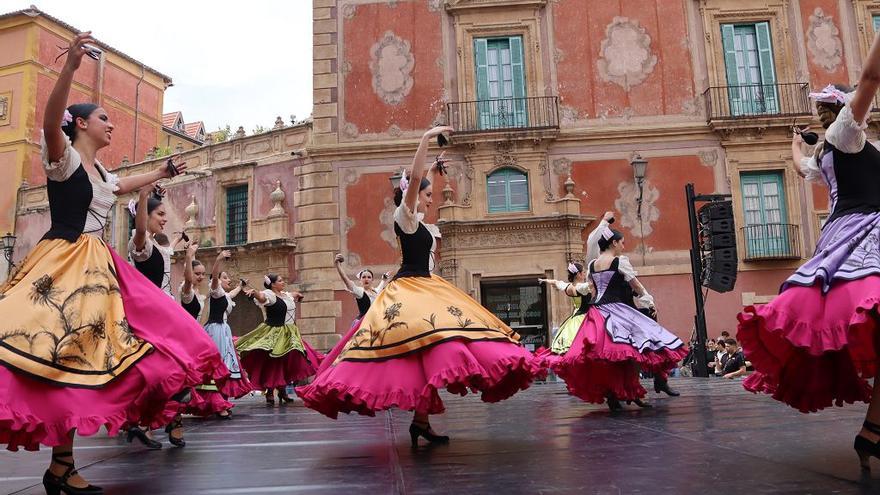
(277, 341)
(567, 333)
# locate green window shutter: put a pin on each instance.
(876, 19)
(519, 80)
(508, 191)
(482, 73)
(764, 212)
(730, 67)
(768, 69)
(236, 214)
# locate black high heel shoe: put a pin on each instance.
(661, 385)
(613, 403)
(643, 405)
(283, 398)
(270, 397)
(177, 442)
(135, 432)
(55, 485)
(416, 431)
(866, 448)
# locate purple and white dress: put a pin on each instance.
(814, 345)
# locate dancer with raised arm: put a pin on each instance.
(274, 354)
(87, 340)
(421, 334)
(816, 343)
(614, 340)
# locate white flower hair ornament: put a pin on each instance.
(66, 119)
(607, 234)
(830, 94)
(404, 183)
(132, 207)
(572, 268)
(267, 281)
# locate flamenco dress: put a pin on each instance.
(815, 344)
(274, 354)
(419, 336)
(87, 341)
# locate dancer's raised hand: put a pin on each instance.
(77, 49)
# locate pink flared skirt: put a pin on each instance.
(35, 412)
(267, 372)
(812, 349)
(595, 366)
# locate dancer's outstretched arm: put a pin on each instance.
(345, 280)
(417, 170)
(215, 270)
(188, 276)
(869, 82)
(57, 102)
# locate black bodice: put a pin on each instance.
(216, 308)
(193, 307)
(153, 267)
(276, 313)
(69, 203)
(858, 181)
(586, 302)
(364, 304)
(415, 252)
(618, 289)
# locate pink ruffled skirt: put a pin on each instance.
(812, 349)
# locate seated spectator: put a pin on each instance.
(734, 362)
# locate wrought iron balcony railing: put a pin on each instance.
(757, 100)
(774, 241)
(504, 114)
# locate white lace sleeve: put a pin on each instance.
(218, 292)
(186, 297)
(625, 268)
(61, 170)
(358, 292)
(582, 288)
(593, 241)
(645, 301)
(810, 168)
(142, 255)
(110, 178)
(406, 219)
(845, 133)
(270, 298)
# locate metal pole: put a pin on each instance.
(696, 270)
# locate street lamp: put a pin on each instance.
(640, 167)
(8, 249)
(395, 179)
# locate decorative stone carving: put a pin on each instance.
(544, 168)
(435, 5)
(562, 167)
(192, 211)
(447, 195)
(823, 41)
(350, 130)
(625, 56)
(4, 108)
(709, 158)
(279, 123)
(239, 133)
(627, 204)
(386, 219)
(569, 188)
(351, 176)
(277, 197)
(504, 156)
(349, 10)
(394, 130)
(391, 64)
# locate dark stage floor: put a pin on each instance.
(716, 439)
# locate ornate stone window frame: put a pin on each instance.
(225, 178)
(485, 190)
(790, 183)
(5, 108)
(865, 10)
(520, 19)
(775, 14)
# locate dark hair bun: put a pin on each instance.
(398, 196)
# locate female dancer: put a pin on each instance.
(274, 354)
(816, 343)
(614, 340)
(661, 383)
(153, 261)
(364, 294)
(220, 306)
(421, 334)
(87, 340)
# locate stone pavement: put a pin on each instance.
(716, 439)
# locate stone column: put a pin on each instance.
(325, 67)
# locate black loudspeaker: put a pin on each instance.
(718, 243)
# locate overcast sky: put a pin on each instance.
(232, 62)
